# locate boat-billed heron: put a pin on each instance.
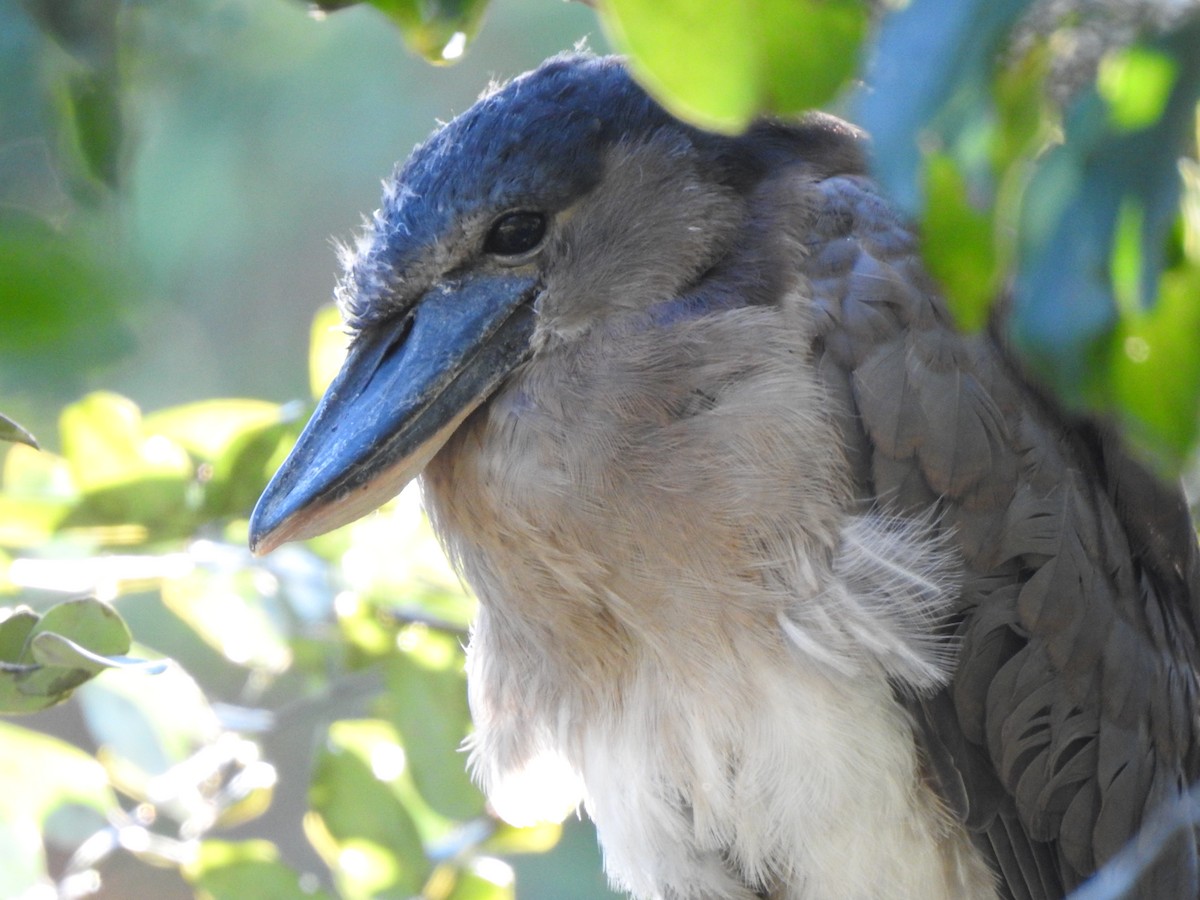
(814, 595)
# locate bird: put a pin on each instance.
(809, 593)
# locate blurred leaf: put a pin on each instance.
(234, 440)
(93, 99)
(227, 611)
(719, 64)
(1155, 371)
(104, 442)
(147, 724)
(233, 871)
(537, 838)
(956, 44)
(1136, 83)
(489, 879)
(29, 523)
(63, 305)
(125, 474)
(29, 473)
(29, 797)
(417, 582)
(61, 650)
(426, 699)
(365, 834)
(326, 348)
(22, 858)
(1065, 310)
(38, 492)
(207, 429)
(1025, 119)
(960, 244)
(15, 625)
(11, 431)
(438, 30)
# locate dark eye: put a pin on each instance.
(515, 233)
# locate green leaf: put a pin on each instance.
(488, 879)
(1136, 83)
(147, 725)
(362, 829)
(960, 244)
(326, 348)
(956, 45)
(105, 445)
(426, 699)
(15, 625)
(719, 64)
(439, 30)
(64, 301)
(208, 428)
(235, 442)
(1100, 208)
(55, 650)
(225, 608)
(41, 776)
(11, 431)
(60, 650)
(127, 476)
(1155, 372)
(94, 101)
(225, 870)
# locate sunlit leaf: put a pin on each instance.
(960, 244)
(126, 474)
(426, 699)
(720, 64)
(206, 429)
(30, 797)
(420, 580)
(105, 444)
(366, 835)
(1100, 206)
(537, 838)
(439, 30)
(326, 348)
(1136, 83)
(1155, 372)
(146, 724)
(956, 44)
(223, 870)
(225, 609)
(488, 879)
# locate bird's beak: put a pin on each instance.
(406, 385)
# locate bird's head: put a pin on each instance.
(558, 202)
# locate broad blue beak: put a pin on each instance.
(405, 387)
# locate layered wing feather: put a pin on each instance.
(1072, 716)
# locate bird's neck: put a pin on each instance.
(667, 561)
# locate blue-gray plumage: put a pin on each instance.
(810, 595)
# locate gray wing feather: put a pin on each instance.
(1073, 712)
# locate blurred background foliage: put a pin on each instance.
(200, 723)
